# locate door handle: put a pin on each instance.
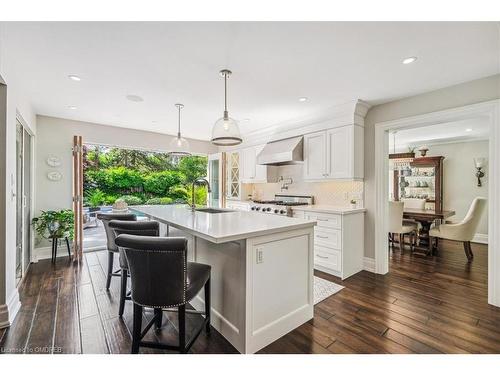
(321, 256)
(321, 236)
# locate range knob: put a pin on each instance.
(282, 212)
(257, 208)
(268, 209)
(276, 211)
(252, 208)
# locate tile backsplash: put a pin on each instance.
(336, 193)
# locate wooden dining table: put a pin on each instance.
(425, 218)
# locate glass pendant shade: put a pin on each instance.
(179, 146)
(226, 131)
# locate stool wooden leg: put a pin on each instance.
(182, 329)
(123, 292)
(136, 330)
(158, 317)
(207, 306)
(401, 242)
(111, 257)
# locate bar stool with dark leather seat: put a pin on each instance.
(138, 228)
(110, 236)
(162, 278)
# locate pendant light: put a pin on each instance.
(179, 146)
(226, 131)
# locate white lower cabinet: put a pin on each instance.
(338, 242)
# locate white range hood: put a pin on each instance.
(283, 152)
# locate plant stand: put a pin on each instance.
(55, 241)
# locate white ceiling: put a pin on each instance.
(273, 65)
(457, 131)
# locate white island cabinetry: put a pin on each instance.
(257, 297)
(338, 238)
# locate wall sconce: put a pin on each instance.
(479, 163)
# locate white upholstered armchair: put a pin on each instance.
(463, 231)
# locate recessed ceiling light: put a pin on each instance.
(134, 98)
(74, 78)
(468, 130)
(72, 106)
(409, 60)
(303, 99)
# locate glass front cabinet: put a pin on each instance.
(422, 179)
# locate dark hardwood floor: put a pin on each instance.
(424, 305)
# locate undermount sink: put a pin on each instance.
(212, 210)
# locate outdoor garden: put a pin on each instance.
(140, 177)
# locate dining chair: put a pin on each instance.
(413, 203)
(463, 231)
(110, 238)
(138, 228)
(163, 279)
(396, 225)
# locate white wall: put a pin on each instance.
(18, 103)
(477, 91)
(55, 137)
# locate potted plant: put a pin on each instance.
(95, 198)
(55, 224)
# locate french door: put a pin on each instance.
(23, 200)
(216, 173)
(78, 196)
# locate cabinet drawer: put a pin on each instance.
(328, 258)
(328, 237)
(326, 220)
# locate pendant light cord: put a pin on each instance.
(179, 126)
(225, 96)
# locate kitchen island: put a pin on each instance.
(262, 269)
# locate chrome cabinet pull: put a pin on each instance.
(321, 236)
(321, 256)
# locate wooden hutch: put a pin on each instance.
(423, 179)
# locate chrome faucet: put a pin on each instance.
(199, 181)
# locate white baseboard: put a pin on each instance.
(369, 264)
(9, 311)
(480, 238)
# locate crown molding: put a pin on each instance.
(349, 113)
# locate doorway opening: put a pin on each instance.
(118, 178)
(408, 181)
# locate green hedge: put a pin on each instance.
(164, 200)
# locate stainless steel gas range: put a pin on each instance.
(281, 204)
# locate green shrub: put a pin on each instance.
(160, 183)
(110, 199)
(165, 200)
(94, 198)
(122, 179)
(178, 193)
(200, 195)
(131, 200)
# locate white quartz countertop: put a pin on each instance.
(329, 209)
(222, 227)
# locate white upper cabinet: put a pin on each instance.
(251, 172)
(334, 154)
(315, 156)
